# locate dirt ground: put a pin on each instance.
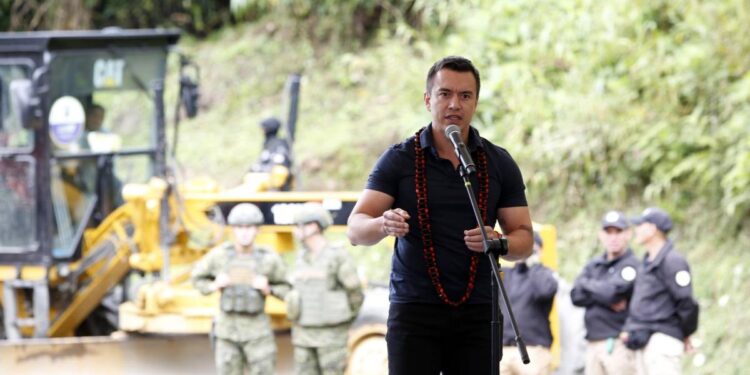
(142, 355)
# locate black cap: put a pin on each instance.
(615, 219)
(656, 216)
(270, 125)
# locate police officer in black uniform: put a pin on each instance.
(276, 151)
(276, 155)
(531, 289)
(604, 288)
(663, 312)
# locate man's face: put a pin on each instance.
(614, 240)
(303, 231)
(452, 99)
(94, 119)
(644, 232)
(244, 235)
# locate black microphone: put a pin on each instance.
(453, 133)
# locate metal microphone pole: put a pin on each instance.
(493, 248)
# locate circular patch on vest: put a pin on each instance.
(682, 278)
(628, 273)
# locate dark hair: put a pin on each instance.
(94, 106)
(454, 63)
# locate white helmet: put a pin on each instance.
(313, 212)
(245, 214)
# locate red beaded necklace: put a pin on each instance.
(423, 214)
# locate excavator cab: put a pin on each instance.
(81, 115)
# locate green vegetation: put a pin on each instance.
(619, 104)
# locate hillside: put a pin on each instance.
(605, 105)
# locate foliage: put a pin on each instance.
(198, 17)
(342, 21)
(352, 21)
(621, 104)
(623, 101)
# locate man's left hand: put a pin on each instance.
(260, 282)
(473, 238)
(689, 348)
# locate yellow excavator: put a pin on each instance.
(98, 235)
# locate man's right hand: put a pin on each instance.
(221, 281)
(394, 222)
(372, 219)
(619, 306)
(624, 336)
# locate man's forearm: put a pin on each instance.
(204, 285)
(365, 230)
(520, 243)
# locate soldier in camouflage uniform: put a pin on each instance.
(245, 275)
(326, 297)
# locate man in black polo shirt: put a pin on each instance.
(663, 313)
(439, 318)
(604, 288)
(531, 290)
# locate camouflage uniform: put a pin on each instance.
(242, 329)
(326, 298)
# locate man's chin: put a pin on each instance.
(247, 243)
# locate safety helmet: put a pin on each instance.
(245, 214)
(313, 212)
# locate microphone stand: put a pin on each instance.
(493, 249)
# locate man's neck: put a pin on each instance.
(444, 146)
(243, 249)
(315, 243)
(654, 246)
(612, 255)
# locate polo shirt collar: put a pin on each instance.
(659, 257)
(475, 141)
(602, 259)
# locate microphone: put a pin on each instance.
(453, 133)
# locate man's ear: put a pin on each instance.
(427, 100)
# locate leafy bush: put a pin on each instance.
(623, 101)
(198, 17)
(352, 22)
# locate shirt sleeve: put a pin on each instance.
(347, 276)
(544, 283)
(511, 182)
(203, 273)
(679, 282)
(277, 279)
(384, 176)
(606, 292)
(578, 295)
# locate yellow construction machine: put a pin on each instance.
(98, 235)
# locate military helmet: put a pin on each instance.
(245, 214)
(313, 212)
